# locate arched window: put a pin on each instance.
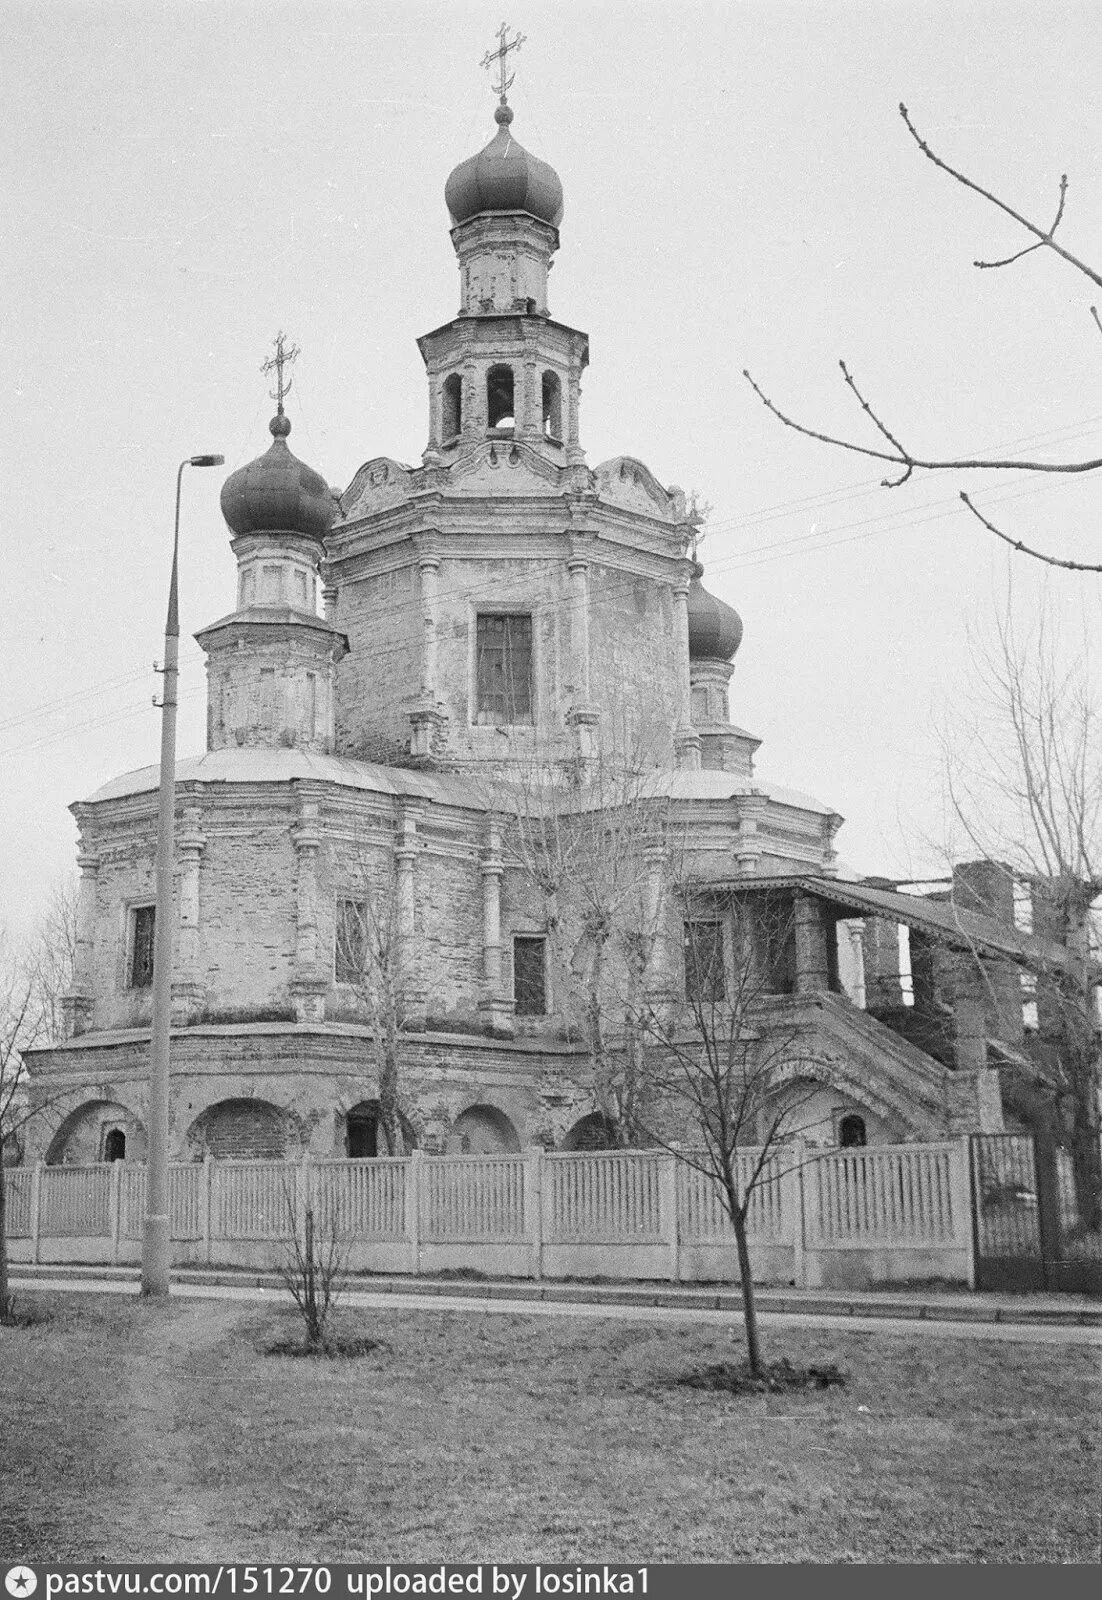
(851, 1132)
(552, 406)
(452, 420)
(499, 397)
(114, 1145)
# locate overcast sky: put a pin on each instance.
(183, 179)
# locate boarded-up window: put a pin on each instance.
(351, 940)
(529, 976)
(705, 978)
(141, 946)
(503, 646)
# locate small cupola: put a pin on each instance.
(278, 493)
(715, 628)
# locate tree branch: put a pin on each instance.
(1027, 550)
(1042, 235)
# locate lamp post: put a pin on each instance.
(155, 1242)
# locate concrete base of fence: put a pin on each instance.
(870, 1268)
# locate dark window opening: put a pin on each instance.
(552, 405)
(114, 1145)
(499, 397)
(705, 978)
(452, 422)
(504, 669)
(361, 1137)
(351, 957)
(529, 976)
(594, 1132)
(851, 1132)
(141, 952)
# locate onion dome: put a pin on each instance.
(504, 177)
(278, 493)
(715, 628)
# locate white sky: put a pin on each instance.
(182, 179)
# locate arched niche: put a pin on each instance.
(82, 1138)
(362, 1132)
(245, 1129)
(593, 1132)
(482, 1131)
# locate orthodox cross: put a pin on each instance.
(499, 55)
(285, 356)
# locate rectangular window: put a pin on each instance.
(142, 920)
(529, 976)
(503, 646)
(351, 957)
(705, 978)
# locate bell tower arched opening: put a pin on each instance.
(552, 406)
(500, 411)
(451, 420)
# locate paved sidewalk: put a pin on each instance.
(952, 1310)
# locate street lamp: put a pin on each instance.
(155, 1243)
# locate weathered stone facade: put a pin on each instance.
(500, 610)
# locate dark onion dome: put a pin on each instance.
(504, 177)
(715, 628)
(278, 493)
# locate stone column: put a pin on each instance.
(751, 814)
(409, 976)
(812, 964)
(575, 455)
(425, 718)
(529, 403)
(583, 716)
(310, 981)
(188, 988)
(77, 1005)
(496, 1008)
(686, 740)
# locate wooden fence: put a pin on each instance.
(844, 1218)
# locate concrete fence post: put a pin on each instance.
(114, 1209)
(960, 1166)
(413, 1205)
(810, 1215)
(533, 1205)
(36, 1211)
(792, 1205)
(667, 1209)
(206, 1207)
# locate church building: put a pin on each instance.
(401, 662)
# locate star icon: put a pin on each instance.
(20, 1582)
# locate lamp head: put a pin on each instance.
(206, 461)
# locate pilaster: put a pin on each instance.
(77, 1006)
(309, 983)
(188, 989)
(686, 740)
(410, 976)
(495, 1006)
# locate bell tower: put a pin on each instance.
(502, 369)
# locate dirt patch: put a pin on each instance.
(777, 1377)
(340, 1347)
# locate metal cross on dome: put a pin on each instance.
(285, 356)
(499, 55)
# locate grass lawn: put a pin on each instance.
(138, 1432)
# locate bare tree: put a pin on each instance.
(725, 1062)
(372, 948)
(314, 1265)
(52, 956)
(595, 856)
(890, 448)
(1024, 780)
(22, 1025)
